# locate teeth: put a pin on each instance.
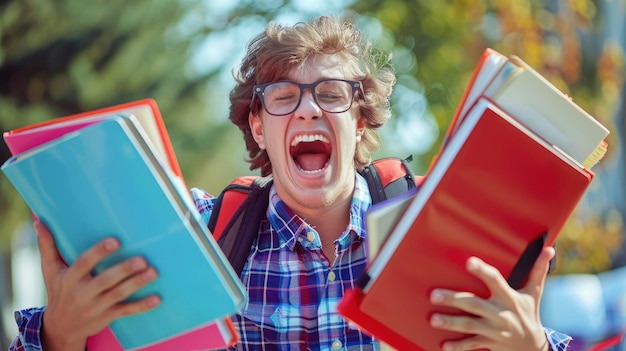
(314, 171)
(301, 138)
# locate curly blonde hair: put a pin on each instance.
(279, 50)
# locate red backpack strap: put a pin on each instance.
(389, 170)
(228, 202)
(389, 177)
(236, 216)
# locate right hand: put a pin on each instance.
(79, 304)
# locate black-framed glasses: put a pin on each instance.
(283, 97)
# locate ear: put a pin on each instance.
(256, 128)
(360, 129)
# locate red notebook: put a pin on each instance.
(496, 191)
(218, 335)
(488, 66)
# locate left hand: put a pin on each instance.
(507, 320)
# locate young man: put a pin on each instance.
(309, 99)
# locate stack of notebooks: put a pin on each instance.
(113, 172)
(515, 163)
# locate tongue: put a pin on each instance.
(312, 162)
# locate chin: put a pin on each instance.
(314, 198)
(317, 197)
(314, 191)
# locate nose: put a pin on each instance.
(308, 108)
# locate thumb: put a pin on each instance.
(51, 262)
(536, 278)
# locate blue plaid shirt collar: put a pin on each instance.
(292, 229)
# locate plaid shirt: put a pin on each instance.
(293, 288)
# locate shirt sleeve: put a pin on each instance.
(204, 202)
(558, 341)
(29, 322)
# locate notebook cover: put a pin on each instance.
(100, 181)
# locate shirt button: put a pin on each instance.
(310, 236)
(331, 276)
(336, 345)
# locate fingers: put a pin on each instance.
(491, 277)
(96, 319)
(501, 292)
(536, 278)
(472, 305)
(87, 261)
(481, 334)
(469, 343)
(122, 280)
(80, 304)
(469, 302)
(507, 317)
(84, 264)
(50, 261)
(498, 285)
(135, 307)
(136, 274)
(485, 308)
(464, 301)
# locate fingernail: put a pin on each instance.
(153, 301)
(447, 347)
(436, 296)
(472, 263)
(137, 264)
(111, 244)
(148, 275)
(436, 320)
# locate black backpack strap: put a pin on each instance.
(242, 227)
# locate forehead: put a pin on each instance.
(321, 66)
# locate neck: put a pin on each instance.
(330, 221)
(325, 208)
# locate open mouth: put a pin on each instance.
(310, 152)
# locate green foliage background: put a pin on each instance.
(64, 57)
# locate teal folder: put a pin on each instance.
(103, 180)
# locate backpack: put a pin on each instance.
(242, 205)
